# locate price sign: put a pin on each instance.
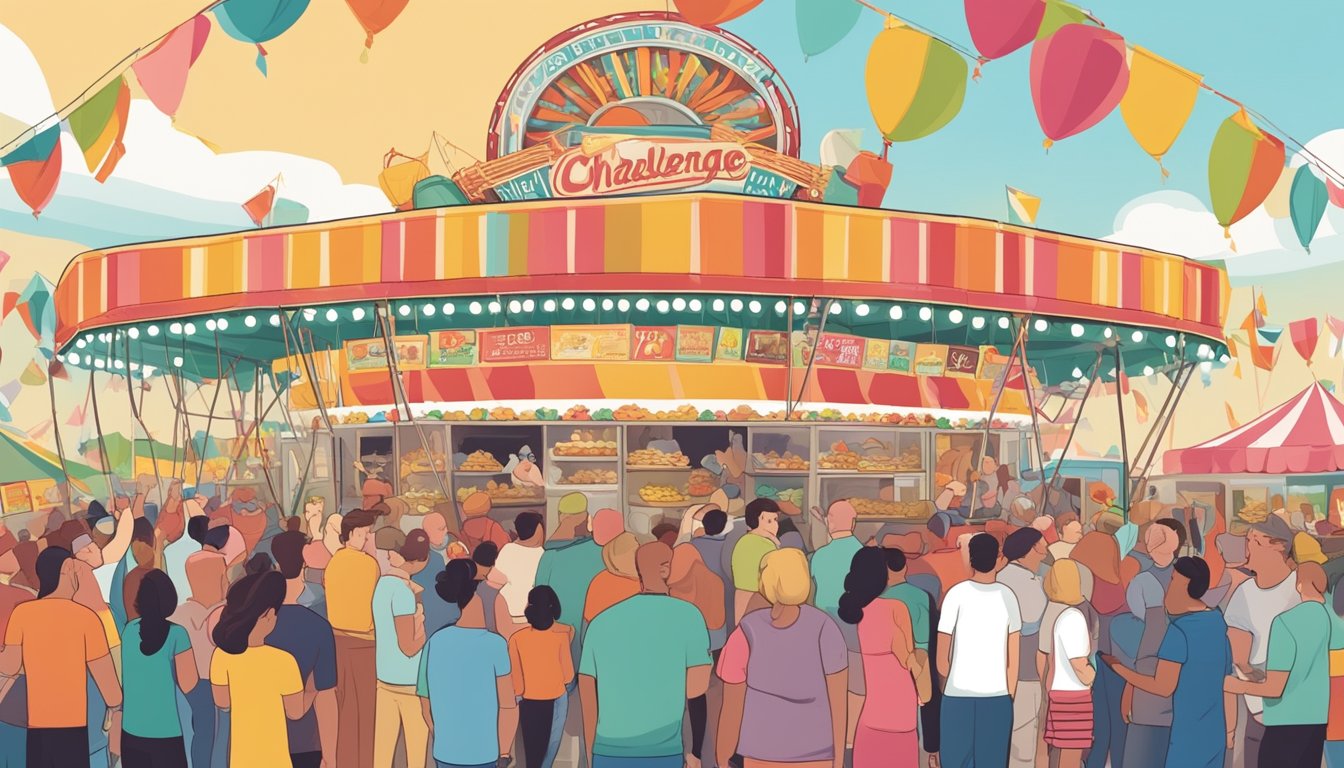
(839, 350)
(512, 345)
(695, 343)
(876, 354)
(590, 342)
(767, 347)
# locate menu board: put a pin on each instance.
(902, 356)
(514, 345)
(767, 347)
(730, 344)
(452, 348)
(695, 343)
(931, 359)
(992, 363)
(654, 343)
(411, 352)
(371, 354)
(590, 342)
(876, 354)
(962, 361)
(840, 350)
(16, 498)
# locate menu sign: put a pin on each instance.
(901, 357)
(513, 345)
(16, 498)
(730, 344)
(767, 347)
(452, 348)
(930, 359)
(695, 343)
(411, 352)
(875, 354)
(962, 361)
(590, 342)
(371, 354)
(839, 350)
(654, 343)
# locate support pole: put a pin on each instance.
(1124, 439)
(102, 443)
(1031, 396)
(811, 357)
(1018, 339)
(60, 447)
(135, 412)
(1091, 384)
(1142, 482)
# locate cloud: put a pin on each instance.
(169, 184)
(1177, 222)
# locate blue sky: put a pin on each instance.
(1276, 58)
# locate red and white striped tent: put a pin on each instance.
(1303, 436)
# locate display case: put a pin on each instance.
(366, 456)
(855, 450)
(308, 466)
(583, 458)
(422, 466)
(502, 461)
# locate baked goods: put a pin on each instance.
(652, 458)
(875, 457)
(590, 477)
(507, 491)
(908, 510)
(1254, 512)
(773, 460)
(480, 461)
(702, 482)
(416, 461)
(583, 443)
(662, 494)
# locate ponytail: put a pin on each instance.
(865, 582)
(456, 583)
(155, 601)
(248, 599)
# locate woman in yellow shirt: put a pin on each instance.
(259, 684)
(542, 667)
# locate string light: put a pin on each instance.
(152, 330)
(251, 322)
(896, 313)
(678, 304)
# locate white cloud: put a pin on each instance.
(1177, 222)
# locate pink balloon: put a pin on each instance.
(999, 27)
(1078, 75)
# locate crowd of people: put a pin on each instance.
(204, 631)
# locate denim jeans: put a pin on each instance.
(201, 702)
(558, 718)
(13, 746)
(986, 725)
(1334, 754)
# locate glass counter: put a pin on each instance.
(423, 474)
(500, 460)
(873, 450)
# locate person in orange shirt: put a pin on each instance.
(478, 526)
(542, 668)
(55, 640)
(350, 579)
(620, 579)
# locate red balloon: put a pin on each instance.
(375, 15)
(708, 13)
(999, 27)
(35, 180)
(1078, 75)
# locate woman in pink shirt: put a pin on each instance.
(895, 673)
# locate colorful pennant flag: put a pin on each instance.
(824, 23)
(37, 170)
(1078, 75)
(1022, 207)
(1269, 334)
(1140, 406)
(162, 73)
(99, 125)
(1307, 201)
(1158, 102)
(33, 375)
(258, 207)
(1336, 328)
(1305, 335)
(259, 21)
(1231, 417)
(1244, 165)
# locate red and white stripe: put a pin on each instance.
(1302, 436)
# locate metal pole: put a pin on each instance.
(1124, 440)
(989, 419)
(1189, 371)
(1031, 397)
(1091, 383)
(788, 394)
(135, 412)
(102, 443)
(811, 357)
(60, 447)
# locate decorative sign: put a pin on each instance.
(840, 350)
(371, 354)
(514, 345)
(767, 347)
(930, 359)
(876, 355)
(902, 357)
(654, 343)
(695, 343)
(452, 348)
(411, 352)
(590, 342)
(730, 344)
(16, 498)
(601, 166)
(992, 363)
(963, 361)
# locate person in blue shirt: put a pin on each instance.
(1193, 661)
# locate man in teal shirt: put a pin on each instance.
(830, 565)
(642, 659)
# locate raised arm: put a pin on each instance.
(121, 539)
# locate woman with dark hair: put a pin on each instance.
(153, 652)
(542, 667)
(896, 674)
(464, 685)
(262, 681)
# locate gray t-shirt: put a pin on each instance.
(1145, 599)
(1253, 610)
(1031, 603)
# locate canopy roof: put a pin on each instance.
(1302, 436)
(22, 459)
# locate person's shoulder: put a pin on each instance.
(304, 617)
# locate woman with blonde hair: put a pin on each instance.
(788, 665)
(618, 580)
(1068, 669)
(1099, 553)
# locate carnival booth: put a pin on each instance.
(642, 293)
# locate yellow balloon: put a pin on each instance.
(1158, 101)
(894, 72)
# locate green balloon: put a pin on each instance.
(823, 23)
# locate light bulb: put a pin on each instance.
(474, 307)
(861, 310)
(608, 305)
(1041, 326)
(642, 305)
(152, 330)
(977, 322)
(275, 320)
(515, 306)
(1077, 373)
(331, 314)
(1147, 370)
(623, 305)
(678, 304)
(251, 322)
(896, 313)
(1076, 330)
(1171, 342)
(404, 310)
(589, 305)
(189, 328)
(735, 305)
(82, 343)
(663, 306)
(955, 316)
(836, 308)
(177, 361)
(210, 325)
(529, 305)
(73, 358)
(925, 314)
(781, 307)
(449, 309)
(799, 307)
(718, 305)
(222, 323)
(567, 304)
(1108, 333)
(1004, 323)
(548, 305)
(695, 305)
(755, 307)
(495, 307)
(174, 327)
(134, 333)
(1137, 336)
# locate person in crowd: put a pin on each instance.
(144, 553)
(317, 554)
(666, 532)
(180, 547)
(1296, 684)
(1099, 554)
(989, 500)
(154, 653)
(209, 583)
(435, 525)
(246, 513)
(711, 543)
(13, 712)
(786, 664)
(633, 706)
(469, 706)
(518, 561)
(94, 574)
(1250, 614)
(1334, 727)
(887, 727)
(1193, 662)
(351, 578)
(438, 613)
(762, 517)
(830, 568)
(1021, 512)
(399, 635)
(307, 637)
(691, 580)
(542, 669)
(979, 638)
(1025, 551)
(260, 685)
(488, 585)
(1070, 530)
(1069, 671)
(789, 535)
(58, 641)
(618, 581)
(477, 526)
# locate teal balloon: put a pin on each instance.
(258, 21)
(823, 23)
(1306, 203)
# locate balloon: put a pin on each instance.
(999, 27)
(35, 180)
(162, 73)
(1158, 102)
(1078, 75)
(1057, 14)
(258, 21)
(916, 84)
(706, 13)
(375, 16)
(823, 23)
(1244, 165)
(1336, 193)
(1279, 203)
(840, 146)
(1308, 201)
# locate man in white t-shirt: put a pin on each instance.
(517, 562)
(978, 647)
(1250, 613)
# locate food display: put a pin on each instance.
(422, 500)
(583, 444)
(662, 494)
(480, 461)
(909, 510)
(652, 458)
(505, 492)
(702, 482)
(873, 456)
(1254, 512)
(792, 496)
(591, 477)
(774, 461)
(416, 460)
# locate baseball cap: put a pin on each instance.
(1275, 528)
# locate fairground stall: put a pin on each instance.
(642, 293)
